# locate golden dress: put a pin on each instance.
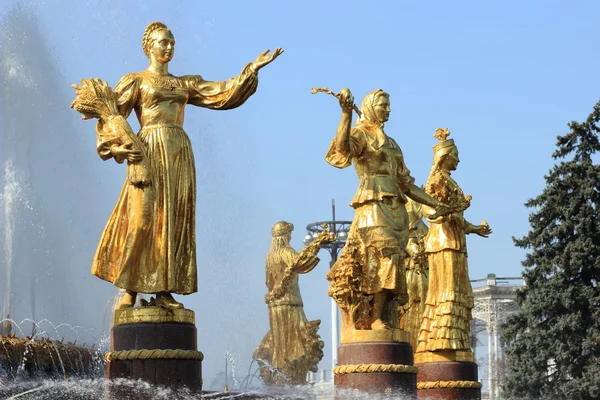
(380, 226)
(292, 346)
(447, 316)
(415, 261)
(149, 243)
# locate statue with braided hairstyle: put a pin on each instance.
(149, 243)
(292, 347)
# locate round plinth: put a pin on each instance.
(138, 315)
(382, 368)
(448, 381)
(161, 353)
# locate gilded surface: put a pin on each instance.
(449, 385)
(149, 242)
(137, 315)
(292, 347)
(444, 356)
(374, 336)
(417, 270)
(153, 354)
(374, 368)
(447, 315)
(369, 281)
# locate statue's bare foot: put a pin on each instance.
(127, 301)
(166, 300)
(379, 325)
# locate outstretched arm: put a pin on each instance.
(307, 259)
(419, 195)
(226, 95)
(482, 230)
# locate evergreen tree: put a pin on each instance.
(553, 342)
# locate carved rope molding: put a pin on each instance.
(157, 354)
(449, 385)
(370, 368)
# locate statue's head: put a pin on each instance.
(445, 153)
(282, 228)
(158, 42)
(375, 107)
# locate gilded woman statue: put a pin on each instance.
(447, 316)
(149, 243)
(417, 270)
(292, 346)
(370, 271)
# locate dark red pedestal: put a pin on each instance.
(448, 381)
(175, 373)
(393, 384)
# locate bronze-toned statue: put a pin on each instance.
(369, 281)
(292, 346)
(447, 315)
(149, 243)
(417, 270)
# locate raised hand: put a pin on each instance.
(265, 58)
(346, 100)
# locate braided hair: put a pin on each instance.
(147, 38)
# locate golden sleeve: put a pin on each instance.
(343, 159)
(301, 262)
(223, 95)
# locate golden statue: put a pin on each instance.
(447, 316)
(417, 270)
(292, 346)
(149, 243)
(368, 281)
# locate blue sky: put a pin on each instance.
(504, 77)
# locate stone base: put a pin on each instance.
(160, 353)
(384, 368)
(448, 381)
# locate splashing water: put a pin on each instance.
(96, 389)
(44, 214)
(45, 353)
(232, 361)
(10, 197)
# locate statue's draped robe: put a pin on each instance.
(447, 316)
(292, 345)
(149, 243)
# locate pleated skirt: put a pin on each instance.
(447, 316)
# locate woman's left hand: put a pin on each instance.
(265, 58)
(483, 230)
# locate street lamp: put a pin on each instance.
(340, 229)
